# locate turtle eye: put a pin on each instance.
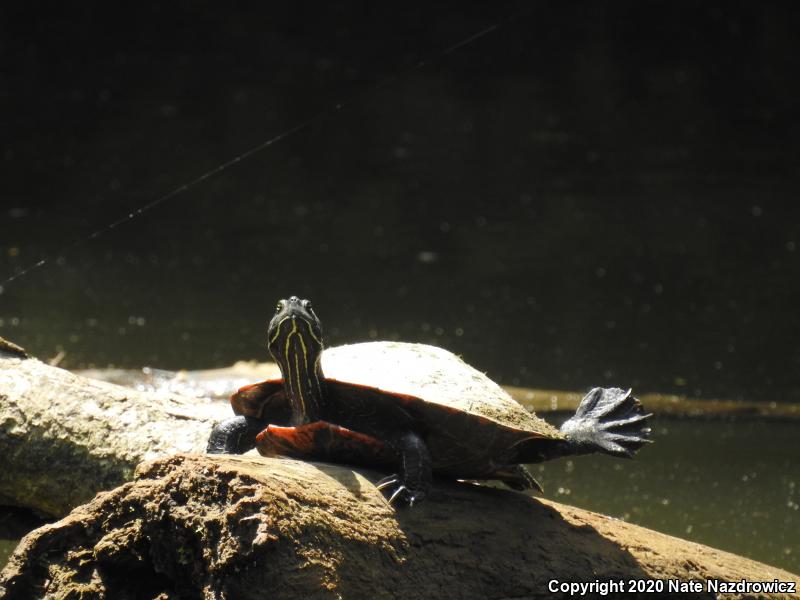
(307, 304)
(279, 307)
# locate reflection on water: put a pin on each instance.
(734, 485)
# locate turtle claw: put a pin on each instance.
(387, 481)
(397, 492)
(517, 478)
(400, 493)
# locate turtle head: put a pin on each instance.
(294, 338)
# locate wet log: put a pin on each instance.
(64, 437)
(194, 526)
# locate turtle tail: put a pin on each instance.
(608, 420)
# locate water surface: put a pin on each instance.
(734, 485)
(602, 194)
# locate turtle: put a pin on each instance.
(412, 409)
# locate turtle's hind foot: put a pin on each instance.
(608, 420)
(517, 477)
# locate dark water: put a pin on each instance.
(6, 548)
(591, 194)
(734, 485)
(14, 523)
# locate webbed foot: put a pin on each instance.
(608, 420)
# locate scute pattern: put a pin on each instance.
(436, 376)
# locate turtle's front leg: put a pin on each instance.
(236, 435)
(413, 481)
(324, 441)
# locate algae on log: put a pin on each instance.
(63, 437)
(252, 527)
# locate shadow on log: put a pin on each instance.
(195, 526)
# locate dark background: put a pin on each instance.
(593, 193)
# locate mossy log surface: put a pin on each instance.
(64, 437)
(193, 526)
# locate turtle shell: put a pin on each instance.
(471, 425)
(434, 376)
